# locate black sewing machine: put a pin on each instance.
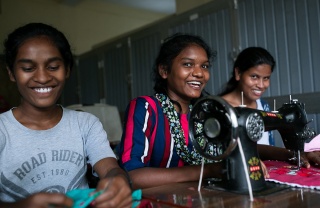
(217, 129)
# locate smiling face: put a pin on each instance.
(189, 74)
(39, 73)
(254, 81)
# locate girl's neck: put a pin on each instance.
(184, 108)
(180, 105)
(38, 119)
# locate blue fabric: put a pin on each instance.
(83, 197)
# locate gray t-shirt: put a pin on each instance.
(53, 160)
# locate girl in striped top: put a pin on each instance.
(155, 148)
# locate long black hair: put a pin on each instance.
(248, 58)
(169, 50)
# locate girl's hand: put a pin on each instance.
(40, 200)
(308, 158)
(116, 193)
(114, 184)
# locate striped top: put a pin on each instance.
(146, 140)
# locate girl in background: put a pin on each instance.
(250, 79)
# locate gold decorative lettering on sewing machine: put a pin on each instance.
(254, 168)
(270, 114)
(216, 128)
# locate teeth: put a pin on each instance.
(194, 82)
(258, 92)
(43, 90)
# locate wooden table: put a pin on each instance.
(187, 195)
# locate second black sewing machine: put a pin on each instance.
(220, 132)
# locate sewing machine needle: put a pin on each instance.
(299, 160)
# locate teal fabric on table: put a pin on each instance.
(83, 197)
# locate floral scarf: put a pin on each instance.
(193, 157)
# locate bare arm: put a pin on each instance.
(267, 152)
(151, 177)
(40, 200)
(115, 184)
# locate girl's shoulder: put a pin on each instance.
(79, 115)
(151, 100)
(148, 98)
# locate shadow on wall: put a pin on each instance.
(9, 95)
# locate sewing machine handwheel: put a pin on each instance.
(213, 127)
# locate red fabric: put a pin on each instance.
(281, 172)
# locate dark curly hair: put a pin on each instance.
(31, 30)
